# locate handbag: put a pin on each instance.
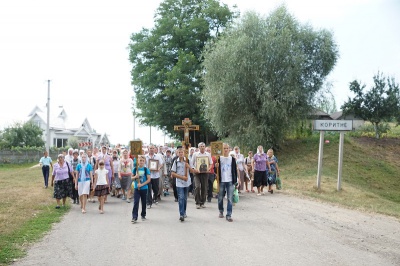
(278, 183)
(71, 178)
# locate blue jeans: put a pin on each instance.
(228, 187)
(139, 195)
(182, 199)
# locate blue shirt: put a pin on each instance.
(45, 161)
(143, 173)
(88, 169)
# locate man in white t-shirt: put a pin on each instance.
(154, 185)
(201, 177)
(227, 179)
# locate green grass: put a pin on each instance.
(26, 210)
(13, 245)
(370, 176)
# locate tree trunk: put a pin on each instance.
(376, 130)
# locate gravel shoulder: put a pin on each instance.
(271, 229)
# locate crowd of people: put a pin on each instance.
(90, 175)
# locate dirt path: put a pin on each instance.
(272, 229)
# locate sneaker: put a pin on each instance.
(229, 219)
(185, 216)
(133, 220)
(221, 215)
(156, 202)
(203, 206)
(148, 206)
(123, 198)
(144, 218)
(128, 201)
(197, 206)
(182, 218)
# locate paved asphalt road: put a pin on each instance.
(267, 230)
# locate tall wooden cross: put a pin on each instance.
(186, 127)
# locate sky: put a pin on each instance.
(82, 47)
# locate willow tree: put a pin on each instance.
(260, 77)
(167, 58)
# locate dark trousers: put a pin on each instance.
(139, 195)
(153, 186)
(75, 195)
(200, 190)
(191, 187)
(211, 178)
(174, 188)
(46, 172)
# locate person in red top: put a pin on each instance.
(211, 176)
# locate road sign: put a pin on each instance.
(333, 125)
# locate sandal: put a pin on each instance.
(247, 191)
(252, 191)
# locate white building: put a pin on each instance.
(61, 129)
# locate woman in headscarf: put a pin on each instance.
(241, 167)
(259, 166)
(125, 175)
(60, 180)
(84, 174)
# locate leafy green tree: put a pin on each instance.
(324, 99)
(379, 104)
(22, 135)
(261, 76)
(166, 61)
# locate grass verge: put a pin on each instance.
(370, 179)
(26, 210)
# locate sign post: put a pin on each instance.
(332, 125)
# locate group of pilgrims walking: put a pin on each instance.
(90, 175)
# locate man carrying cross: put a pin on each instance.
(201, 177)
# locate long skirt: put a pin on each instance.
(62, 189)
(101, 190)
(126, 182)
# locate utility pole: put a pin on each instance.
(48, 118)
(150, 135)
